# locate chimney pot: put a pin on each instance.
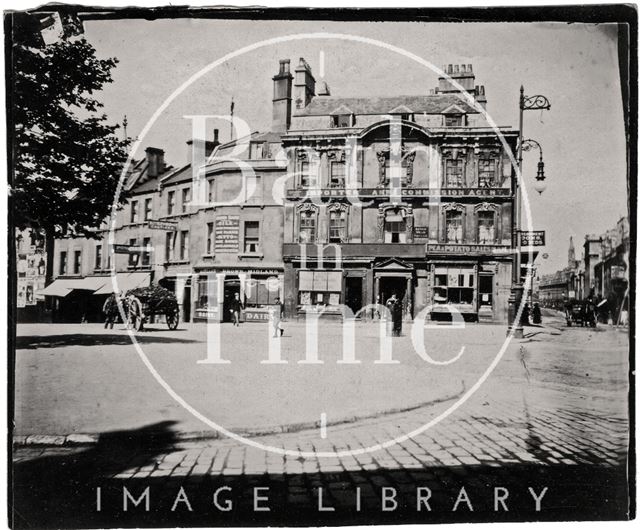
(469, 68)
(456, 68)
(450, 69)
(215, 135)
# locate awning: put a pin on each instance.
(91, 283)
(59, 288)
(125, 281)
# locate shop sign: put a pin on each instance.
(256, 316)
(467, 249)
(124, 249)
(162, 225)
(421, 232)
(405, 192)
(532, 239)
(227, 237)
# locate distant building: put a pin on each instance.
(602, 273)
(611, 274)
(31, 266)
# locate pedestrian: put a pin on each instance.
(537, 314)
(524, 318)
(110, 310)
(236, 306)
(277, 312)
(394, 305)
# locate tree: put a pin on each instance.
(66, 159)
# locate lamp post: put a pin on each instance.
(537, 102)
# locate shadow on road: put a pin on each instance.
(33, 342)
(59, 491)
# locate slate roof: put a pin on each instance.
(430, 104)
(182, 174)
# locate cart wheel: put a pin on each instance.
(136, 318)
(137, 322)
(172, 320)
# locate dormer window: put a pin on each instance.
(453, 120)
(343, 120)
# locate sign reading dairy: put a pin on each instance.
(227, 233)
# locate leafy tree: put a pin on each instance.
(66, 158)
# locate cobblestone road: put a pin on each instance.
(562, 425)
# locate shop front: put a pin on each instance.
(477, 289)
(257, 288)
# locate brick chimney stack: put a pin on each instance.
(461, 73)
(209, 145)
(282, 83)
(155, 161)
(304, 86)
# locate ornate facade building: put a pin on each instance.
(406, 194)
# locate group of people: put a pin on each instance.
(529, 316)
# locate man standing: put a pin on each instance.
(277, 312)
(236, 306)
(394, 305)
(110, 310)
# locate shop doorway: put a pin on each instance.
(398, 285)
(485, 290)
(231, 287)
(353, 293)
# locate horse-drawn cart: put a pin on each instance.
(143, 302)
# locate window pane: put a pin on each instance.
(453, 227)
(486, 227)
(337, 174)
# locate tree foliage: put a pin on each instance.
(67, 158)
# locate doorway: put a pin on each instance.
(231, 287)
(353, 293)
(398, 285)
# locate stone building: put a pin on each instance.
(404, 194)
(352, 199)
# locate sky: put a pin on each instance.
(574, 65)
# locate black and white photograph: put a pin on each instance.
(278, 266)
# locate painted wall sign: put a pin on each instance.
(405, 192)
(467, 249)
(227, 236)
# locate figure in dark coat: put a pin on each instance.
(110, 310)
(537, 314)
(236, 306)
(395, 308)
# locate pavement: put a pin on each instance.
(553, 414)
(75, 381)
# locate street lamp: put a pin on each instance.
(539, 185)
(537, 102)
